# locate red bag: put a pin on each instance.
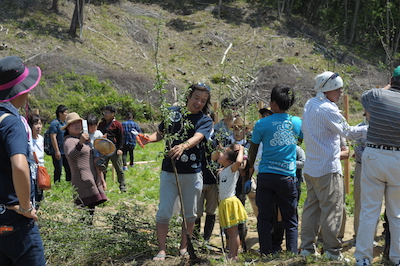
(43, 177)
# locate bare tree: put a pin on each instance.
(354, 23)
(54, 6)
(77, 19)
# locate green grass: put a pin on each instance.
(124, 227)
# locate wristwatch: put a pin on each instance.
(26, 211)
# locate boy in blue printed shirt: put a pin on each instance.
(276, 180)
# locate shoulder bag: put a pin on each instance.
(43, 177)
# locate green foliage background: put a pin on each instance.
(85, 94)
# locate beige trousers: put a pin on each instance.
(323, 208)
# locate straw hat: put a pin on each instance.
(71, 117)
(105, 146)
(239, 122)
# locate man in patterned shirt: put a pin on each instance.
(131, 130)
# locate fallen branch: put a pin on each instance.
(181, 71)
(108, 38)
(137, 43)
(226, 52)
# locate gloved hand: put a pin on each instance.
(247, 187)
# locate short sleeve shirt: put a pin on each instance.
(190, 160)
(13, 141)
(227, 183)
(279, 134)
(55, 128)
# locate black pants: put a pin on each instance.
(128, 148)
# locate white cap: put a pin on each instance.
(327, 81)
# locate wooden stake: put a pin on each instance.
(346, 161)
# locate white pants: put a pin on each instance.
(380, 176)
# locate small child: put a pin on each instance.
(35, 123)
(94, 134)
(231, 210)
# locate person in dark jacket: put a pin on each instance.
(113, 130)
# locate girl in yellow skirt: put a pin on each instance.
(231, 210)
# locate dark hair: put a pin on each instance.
(61, 109)
(198, 87)
(227, 102)
(110, 108)
(283, 96)
(211, 115)
(396, 81)
(232, 154)
(92, 119)
(33, 119)
(129, 115)
(265, 112)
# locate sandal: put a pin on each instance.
(184, 254)
(159, 257)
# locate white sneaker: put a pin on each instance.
(363, 262)
(305, 253)
(336, 257)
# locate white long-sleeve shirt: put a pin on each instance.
(323, 124)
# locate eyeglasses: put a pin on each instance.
(106, 113)
(204, 85)
(334, 75)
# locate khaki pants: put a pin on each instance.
(379, 177)
(252, 196)
(357, 199)
(323, 207)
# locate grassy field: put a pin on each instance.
(123, 230)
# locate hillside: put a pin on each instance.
(120, 40)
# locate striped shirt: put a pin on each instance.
(323, 124)
(384, 109)
(359, 146)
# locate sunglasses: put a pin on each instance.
(204, 85)
(334, 75)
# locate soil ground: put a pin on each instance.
(348, 246)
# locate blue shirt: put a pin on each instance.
(279, 134)
(13, 141)
(190, 160)
(55, 128)
(131, 129)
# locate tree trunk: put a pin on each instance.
(54, 6)
(77, 19)
(289, 5)
(346, 20)
(354, 23)
(279, 9)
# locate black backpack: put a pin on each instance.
(47, 143)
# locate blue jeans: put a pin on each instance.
(281, 190)
(23, 246)
(58, 164)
